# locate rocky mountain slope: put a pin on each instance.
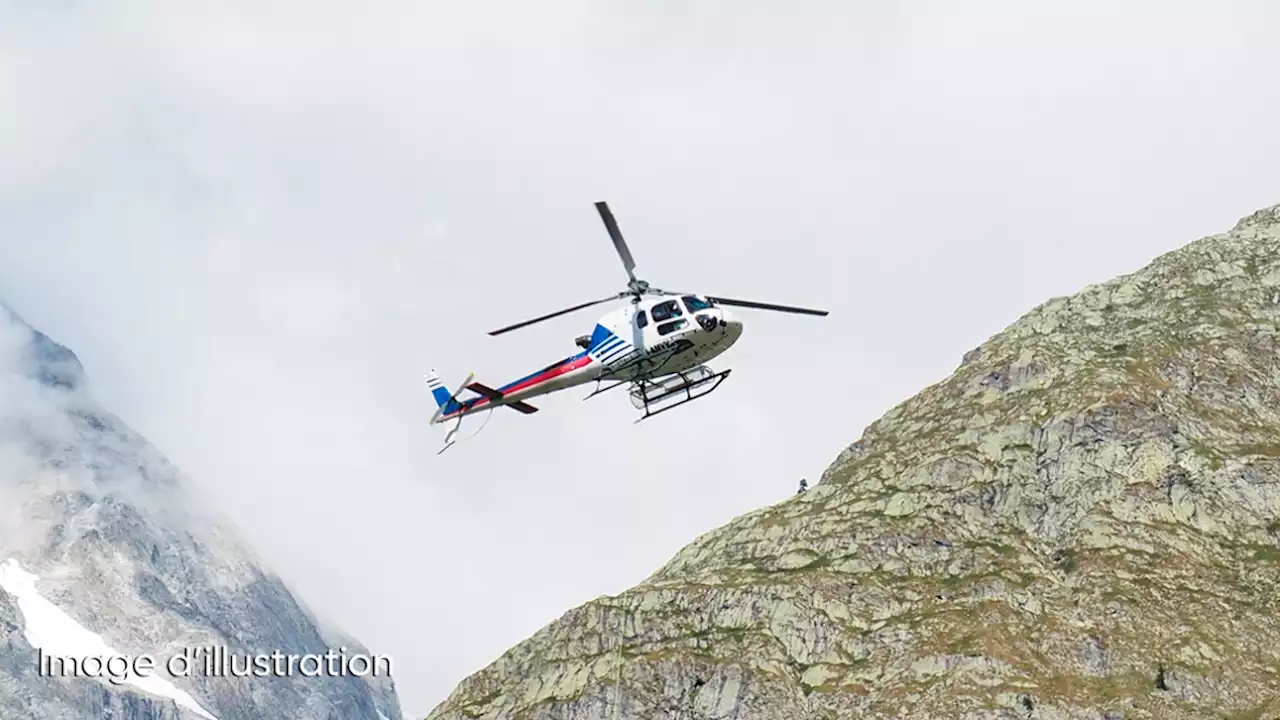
(101, 551)
(1082, 522)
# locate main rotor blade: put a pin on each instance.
(557, 313)
(619, 244)
(766, 306)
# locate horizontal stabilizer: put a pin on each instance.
(496, 396)
(485, 390)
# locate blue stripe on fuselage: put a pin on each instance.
(553, 366)
(609, 345)
(599, 337)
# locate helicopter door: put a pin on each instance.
(667, 319)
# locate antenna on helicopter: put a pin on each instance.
(637, 288)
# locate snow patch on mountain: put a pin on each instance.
(57, 634)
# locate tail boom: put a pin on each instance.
(566, 373)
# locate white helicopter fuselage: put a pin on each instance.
(660, 337)
(648, 339)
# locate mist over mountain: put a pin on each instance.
(1082, 522)
(104, 552)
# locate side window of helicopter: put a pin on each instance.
(695, 303)
(642, 319)
(670, 327)
(665, 311)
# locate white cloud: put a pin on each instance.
(258, 224)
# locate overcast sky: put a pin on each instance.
(259, 223)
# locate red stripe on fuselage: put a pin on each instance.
(555, 371)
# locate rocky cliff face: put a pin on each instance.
(102, 553)
(1083, 521)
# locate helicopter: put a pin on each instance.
(658, 344)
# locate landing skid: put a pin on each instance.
(687, 386)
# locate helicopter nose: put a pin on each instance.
(730, 324)
(732, 330)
